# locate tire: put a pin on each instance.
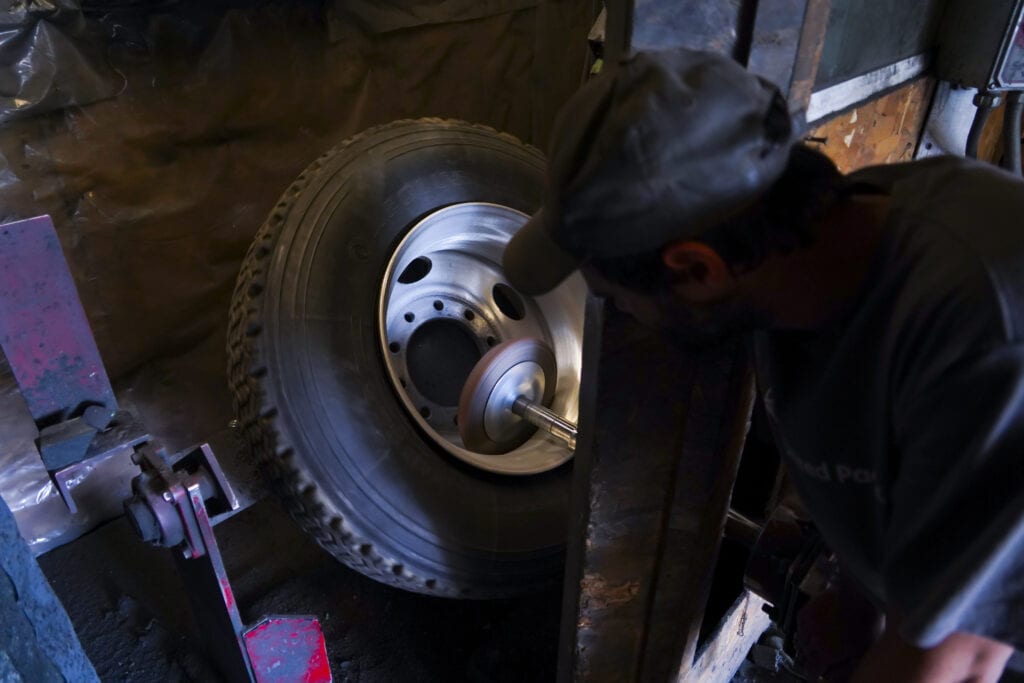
(315, 402)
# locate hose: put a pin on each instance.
(1012, 131)
(974, 136)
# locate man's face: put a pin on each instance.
(668, 311)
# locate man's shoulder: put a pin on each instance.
(932, 172)
(958, 236)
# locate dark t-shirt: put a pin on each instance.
(903, 425)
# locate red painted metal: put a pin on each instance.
(278, 649)
(288, 650)
(43, 329)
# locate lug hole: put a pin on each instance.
(416, 270)
(508, 301)
(491, 341)
(438, 305)
(409, 317)
(425, 412)
(395, 347)
(469, 315)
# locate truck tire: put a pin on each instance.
(367, 471)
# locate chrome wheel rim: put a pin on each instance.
(444, 302)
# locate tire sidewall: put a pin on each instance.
(371, 464)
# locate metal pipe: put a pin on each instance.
(542, 418)
(1012, 131)
(974, 136)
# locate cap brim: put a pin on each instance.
(534, 264)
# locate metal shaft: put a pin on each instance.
(542, 418)
(737, 526)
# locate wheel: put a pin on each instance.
(362, 306)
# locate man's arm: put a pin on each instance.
(960, 658)
(953, 552)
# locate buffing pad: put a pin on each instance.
(521, 367)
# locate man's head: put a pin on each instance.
(668, 176)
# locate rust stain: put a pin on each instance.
(599, 594)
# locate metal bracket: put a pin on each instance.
(49, 346)
(174, 499)
(123, 431)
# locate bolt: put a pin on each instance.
(987, 99)
(143, 520)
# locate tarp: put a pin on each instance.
(187, 120)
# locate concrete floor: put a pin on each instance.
(131, 612)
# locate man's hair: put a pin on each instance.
(782, 220)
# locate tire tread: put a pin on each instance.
(258, 417)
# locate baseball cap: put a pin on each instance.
(661, 147)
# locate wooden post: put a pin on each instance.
(661, 433)
(786, 46)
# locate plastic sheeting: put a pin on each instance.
(49, 59)
(157, 188)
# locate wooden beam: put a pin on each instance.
(786, 46)
(661, 431)
(738, 631)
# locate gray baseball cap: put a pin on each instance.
(659, 148)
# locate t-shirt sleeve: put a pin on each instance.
(953, 555)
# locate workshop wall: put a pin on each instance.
(168, 132)
(883, 131)
(887, 130)
(157, 190)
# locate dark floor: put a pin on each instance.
(132, 616)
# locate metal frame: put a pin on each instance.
(843, 96)
(43, 329)
(786, 45)
(174, 499)
(949, 121)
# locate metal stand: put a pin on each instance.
(174, 498)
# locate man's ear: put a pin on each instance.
(702, 275)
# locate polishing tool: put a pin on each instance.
(504, 400)
(503, 404)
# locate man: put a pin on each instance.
(888, 311)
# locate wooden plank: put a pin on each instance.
(717, 421)
(883, 131)
(660, 435)
(786, 46)
(738, 631)
(808, 58)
